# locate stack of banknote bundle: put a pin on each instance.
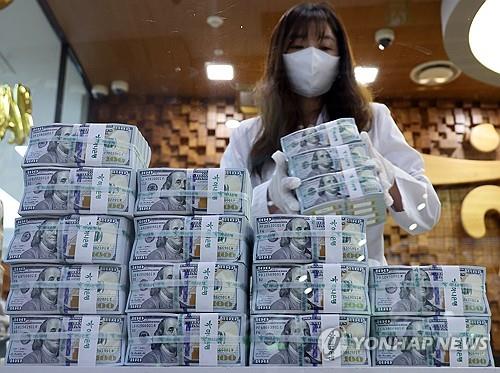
(91, 145)
(71, 247)
(70, 239)
(204, 339)
(308, 239)
(309, 291)
(84, 340)
(338, 176)
(188, 269)
(201, 191)
(205, 238)
(430, 316)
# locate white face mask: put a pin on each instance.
(311, 71)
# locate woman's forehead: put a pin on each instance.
(312, 30)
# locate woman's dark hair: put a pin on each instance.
(280, 109)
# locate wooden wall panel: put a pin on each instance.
(191, 133)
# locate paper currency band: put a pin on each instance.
(193, 193)
(61, 226)
(426, 284)
(78, 139)
(73, 187)
(180, 283)
(345, 286)
(310, 233)
(191, 233)
(184, 338)
(64, 335)
(427, 332)
(345, 338)
(26, 285)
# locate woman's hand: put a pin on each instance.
(385, 170)
(281, 193)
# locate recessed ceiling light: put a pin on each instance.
(434, 73)
(483, 31)
(215, 21)
(217, 71)
(365, 75)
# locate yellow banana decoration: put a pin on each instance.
(15, 113)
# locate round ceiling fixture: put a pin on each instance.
(470, 30)
(434, 73)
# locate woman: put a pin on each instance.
(309, 78)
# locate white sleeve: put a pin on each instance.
(237, 155)
(421, 205)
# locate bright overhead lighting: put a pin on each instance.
(232, 123)
(219, 71)
(483, 35)
(365, 75)
(21, 149)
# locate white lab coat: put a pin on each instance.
(414, 186)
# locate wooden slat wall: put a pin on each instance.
(192, 134)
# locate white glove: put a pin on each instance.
(281, 188)
(385, 169)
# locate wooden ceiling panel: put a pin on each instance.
(161, 46)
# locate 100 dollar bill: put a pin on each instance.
(66, 340)
(324, 340)
(63, 191)
(311, 288)
(93, 145)
(205, 238)
(174, 287)
(199, 191)
(354, 192)
(204, 339)
(337, 132)
(56, 289)
(322, 161)
(306, 239)
(72, 239)
(428, 290)
(432, 341)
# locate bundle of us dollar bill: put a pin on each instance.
(67, 340)
(307, 239)
(355, 191)
(429, 290)
(63, 191)
(72, 239)
(337, 132)
(310, 288)
(320, 161)
(204, 339)
(206, 238)
(202, 191)
(186, 287)
(434, 341)
(57, 289)
(319, 339)
(92, 145)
